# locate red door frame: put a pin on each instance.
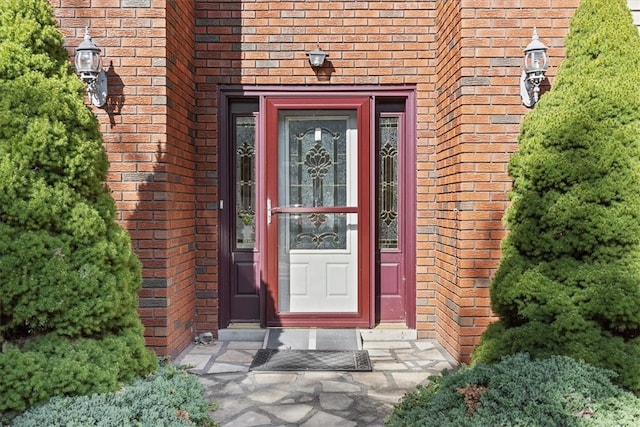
(365, 209)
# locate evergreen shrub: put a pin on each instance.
(520, 392)
(170, 397)
(68, 274)
(569, 278)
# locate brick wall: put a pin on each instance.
(181, 173)
(480, 48)
(161, 130)
(264, 43)
(448, 123)
(149, 143)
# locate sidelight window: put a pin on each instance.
(245, 136)
(388, 184)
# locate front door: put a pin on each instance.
(316, 209)
(318, 212)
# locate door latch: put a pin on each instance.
(268, 211)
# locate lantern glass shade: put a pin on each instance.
(316, 60)
(316, 57)
(87, 61)
(536, 61)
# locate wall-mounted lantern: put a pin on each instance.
(88, 66)
(536, 62)
(317, 57)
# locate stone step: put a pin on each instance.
(380, 333)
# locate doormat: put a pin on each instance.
(311, 360)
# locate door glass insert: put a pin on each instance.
(318, 235)
(388, 184)
(317, 178)
(245, 136)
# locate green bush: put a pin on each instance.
(169, 397)
(569, 278)
(520, 392)
(68, 274)
(58, 366)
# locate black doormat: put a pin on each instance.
(311, 360)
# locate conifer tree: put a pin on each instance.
(68, 274)
(569, 278)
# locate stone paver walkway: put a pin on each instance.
(309, 399)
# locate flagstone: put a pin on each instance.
(267, 395)
(312, 398)
(335, 401)
(339, 387)
(323, 419)
(289, 413)
(249, 419)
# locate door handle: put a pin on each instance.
(269, 211)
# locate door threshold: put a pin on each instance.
(244, 325)
(245, 333)
(253, 332)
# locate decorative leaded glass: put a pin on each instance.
(317, 178)
(388, 186)
(245, 129)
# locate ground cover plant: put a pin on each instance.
(169, 397)
(569, 278)
(518, 391)
(68, 275)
